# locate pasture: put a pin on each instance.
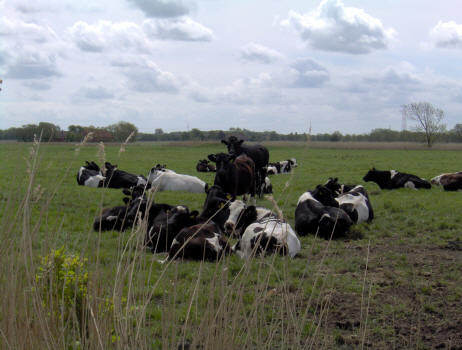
(394, 283)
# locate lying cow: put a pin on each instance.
(336, 188)
(355, 202)
(449, 181)
(90, 175)
(312, 216)
(168, 180)
(235, 175)
(391, 179)
(116, 178)
(262, 231)
(204, 166)
(203, 241)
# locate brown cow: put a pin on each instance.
(449, 181)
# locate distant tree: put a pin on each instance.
(457, 131)
(122, 130)
(429, 119)
(49, 131)
(336, 136)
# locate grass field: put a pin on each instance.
(394, 283)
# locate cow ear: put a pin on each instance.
(336, 179)
(127, 192)
(194, 213)
(225, 142)
(212, 157)
(126, 200)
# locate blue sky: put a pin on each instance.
(215, 64)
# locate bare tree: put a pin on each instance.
(428, 118)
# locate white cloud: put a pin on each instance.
(335, 27)
(182, 29)
(93, 93)
(306, 73)
(31, 64)
(260, 53)
(106, 35)
(447, 35)
(163, 8)
(21, 31)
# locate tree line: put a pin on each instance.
(120, 132)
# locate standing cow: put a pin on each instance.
(258, 153)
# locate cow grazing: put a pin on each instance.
(312, 216)
(235, 175)
(116, 178)
(204, 166)
(449, 181)
(199, 242)
(168, 180)
(90, 175)
(258, 153)
(355, 202)
(262, 231)
(391, 179)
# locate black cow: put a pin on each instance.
(312, 216)
(216, 207)
(203, 166)
(235, 175)
(90, 175)
(199, 242)
(449, 181)
(116, 178)
(336, 188)
(391, 179)
(258, 153)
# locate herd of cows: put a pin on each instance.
(328, 211)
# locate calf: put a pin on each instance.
(199, 242)
(258, 153)
(449, 181)
(168, 180)
(312, 216)
(116, 178)
(235, 175)
(262, 231)
(391, 179)
(90, 175)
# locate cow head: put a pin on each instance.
(216, 205)
(222, 159)
(90, 176)
(333, 185)
(240, 216)
(371, 175)
(324, 195)
(180, 216)
(234, 145)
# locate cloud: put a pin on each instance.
(182, 29)
(335, 27)
(37, 85)
(163, 8)
(306, 73)
(106, 35)
(260, 53)
(447, 35)
(145, 76)
(26, 32)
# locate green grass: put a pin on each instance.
(304, 297)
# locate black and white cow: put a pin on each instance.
(235, 175)
(355, 202)
(258, 153)
(168, 180)
(312, 216)
(90, 175)
(273, 168)
(202, 241)
(261, 231)
(116, 178)
(391, 179)
(267, 186)
(449, 181)
(336, 188)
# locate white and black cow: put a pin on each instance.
(202, 241)
(168, 180)
(261, 231)
(235, 175)
(336, 188)
(312, 216)
(90, 175)
(392, 179)
(116, 178)
(258, 153)
(355, 202)
(449, 181)
(267, 186)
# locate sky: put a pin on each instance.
(346, 65)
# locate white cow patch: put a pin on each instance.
(305, 196)
(409, 184)
(215, 242)
(141, 181)
(93, 181)
(359, 203)
(111, 218)
(170, 181)
(393, 173)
